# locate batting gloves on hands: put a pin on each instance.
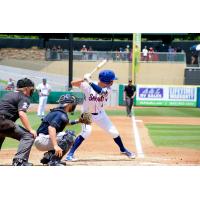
(87, 77)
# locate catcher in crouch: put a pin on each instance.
(95, 97)
(50, 136)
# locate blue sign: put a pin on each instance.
(154, 93)
(181, 93)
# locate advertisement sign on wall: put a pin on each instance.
(151, 95)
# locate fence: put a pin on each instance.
(53, 97)
(53, 55)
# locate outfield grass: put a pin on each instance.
(174, 135)
(3, 82)
(168, 111)
(159, 111)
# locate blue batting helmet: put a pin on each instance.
(106, 76)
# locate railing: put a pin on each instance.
(115, 56)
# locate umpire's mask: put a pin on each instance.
(32, 91)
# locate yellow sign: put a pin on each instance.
(136, 54)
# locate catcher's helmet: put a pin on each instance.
(106, 76)
(25, 82)
(66, 99)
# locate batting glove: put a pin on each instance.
(87, 77)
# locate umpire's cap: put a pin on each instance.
(66, 99)
(106, 76)
(25, 82)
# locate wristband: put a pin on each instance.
(74, 122)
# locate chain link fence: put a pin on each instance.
(54, 55)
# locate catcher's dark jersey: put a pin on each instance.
(56, 118)
(130, 89)
(12, 103)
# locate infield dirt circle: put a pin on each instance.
(100, 149)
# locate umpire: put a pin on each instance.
(13, 106)
(129, 94)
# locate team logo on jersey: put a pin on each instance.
(95, 98)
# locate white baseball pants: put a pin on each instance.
(102, 121)
(43, 142)
(41, 106)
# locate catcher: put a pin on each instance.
(51, 137)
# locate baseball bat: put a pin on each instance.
(101, 64)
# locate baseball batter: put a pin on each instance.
(96, 95)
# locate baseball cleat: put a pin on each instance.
(56, 163)
(129, 154)
(21, 162)
(71, 158)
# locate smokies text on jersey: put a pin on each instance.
(97, 99)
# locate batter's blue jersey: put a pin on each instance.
(57, 118)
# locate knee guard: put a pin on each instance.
(65, 144)
(67, 141)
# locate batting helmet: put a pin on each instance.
(67, 98)
(106, 76)
(25, 82)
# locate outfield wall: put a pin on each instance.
(52, 98)
(147, 95)
(164, 95)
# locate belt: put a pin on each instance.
(96, 113)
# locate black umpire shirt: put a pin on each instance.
(12, 103)
(130, 89)
(57, 118)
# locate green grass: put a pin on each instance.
(159, 111)
(3, 82)
(168, 111)
(173, 135)
(35, 122)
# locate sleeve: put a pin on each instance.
(85, 87)
(23, 104)
(60, 120)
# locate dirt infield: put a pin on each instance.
(99, 149)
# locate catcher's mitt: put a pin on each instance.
(85, 118)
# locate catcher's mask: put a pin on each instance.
(66, 100)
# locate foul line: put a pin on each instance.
(138, 144)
